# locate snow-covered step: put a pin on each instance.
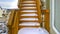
(29, 24)
(29, 5)
(28, 2)
(29, 19)
(29, 11)
(29, 15)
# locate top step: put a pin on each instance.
(28, 0)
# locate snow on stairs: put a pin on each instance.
(29, 14)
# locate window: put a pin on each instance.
(55, 15)
(9, 4)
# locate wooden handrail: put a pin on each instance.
(16, 22)
(11, 18)
(10, 21)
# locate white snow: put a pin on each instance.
(32, 31)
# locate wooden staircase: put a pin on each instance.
(29, 12)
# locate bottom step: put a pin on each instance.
(30, 24)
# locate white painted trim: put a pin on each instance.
(52, 12)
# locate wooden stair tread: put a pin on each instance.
(28, 21)
(28, 2)
(28, 8)
(29, 26)
(28, 5)
(28, 16)
(19, 27)
(28, 12)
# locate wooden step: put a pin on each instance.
(29, 26)
(28, 21)
(29, 8)
(19, 27)
(32, 14)
(28, 2)
(28, 5)
(28, 16)
(28, 12)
